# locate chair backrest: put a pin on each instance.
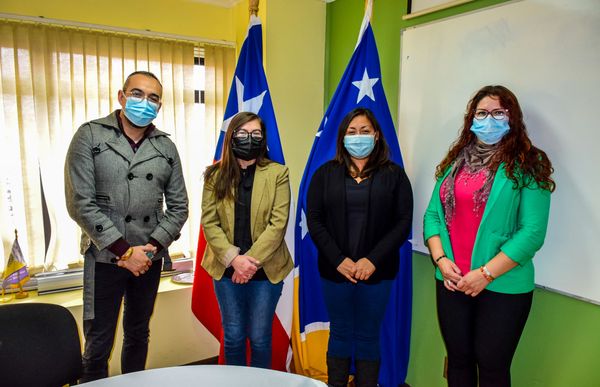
(39, 345)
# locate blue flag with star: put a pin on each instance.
(360, 86)
(250, 92)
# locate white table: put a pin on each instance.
(208, 375)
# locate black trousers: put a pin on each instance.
(111, 285)
(481, 334)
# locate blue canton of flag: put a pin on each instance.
(250, 92)
(360, 86)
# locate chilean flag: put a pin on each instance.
(249, 92)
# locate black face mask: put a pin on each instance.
(247, 149)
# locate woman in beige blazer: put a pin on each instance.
(245, 207)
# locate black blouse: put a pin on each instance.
(357, 201)
(242, 235)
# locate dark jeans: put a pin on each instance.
(481, 334)
(355, 315)
(111, 284)
(247, 311)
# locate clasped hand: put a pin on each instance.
(244, 267)
(139, 263)
(360, 270)
(471, 283)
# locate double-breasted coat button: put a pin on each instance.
(99, 228)
(128, 218)
(170, 160)
(146, 218)
(149, 176)
(130, 176)
(177, 236)
(95, 150)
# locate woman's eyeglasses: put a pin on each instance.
(497, 114)
(242, 134)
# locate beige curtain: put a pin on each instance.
(219, 67)
(53, 79)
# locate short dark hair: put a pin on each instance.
(145, 73)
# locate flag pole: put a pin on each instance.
(253, 7)
(21, 294)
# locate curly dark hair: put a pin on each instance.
(523, 161)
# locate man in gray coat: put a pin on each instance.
(120, 171)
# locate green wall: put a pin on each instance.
(560, 346)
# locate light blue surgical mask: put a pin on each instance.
(359, 145)
(490, 130)
(140, 112)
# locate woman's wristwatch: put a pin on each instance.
(486, 273)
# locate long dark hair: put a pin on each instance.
(378, 158)
(523, 161)
(226, 181)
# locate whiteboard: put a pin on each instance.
(548, 53)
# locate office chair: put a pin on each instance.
(39, 346)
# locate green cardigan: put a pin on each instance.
(514, 221)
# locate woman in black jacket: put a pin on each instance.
(359, 214)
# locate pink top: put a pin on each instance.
(465, 221)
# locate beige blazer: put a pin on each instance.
(270, 205)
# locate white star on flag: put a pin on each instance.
(250, 105)
(365, 86)
(303, 224)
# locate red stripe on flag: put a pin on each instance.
(281, 345)
(204, 301)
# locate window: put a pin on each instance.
(53, 79)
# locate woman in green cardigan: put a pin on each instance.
(486, 219)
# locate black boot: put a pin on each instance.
(337, 371)
(367, 373)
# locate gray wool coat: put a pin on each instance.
(112, 192)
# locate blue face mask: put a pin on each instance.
(490, 130)
(140, 112)
(359, 145)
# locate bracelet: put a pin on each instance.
(440, 257)
(486, 273)
(127, 254)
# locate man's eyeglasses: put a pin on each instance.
(242, 134)
(138, 96)
(497, 114)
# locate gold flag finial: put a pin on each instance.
(367, 2)
(253, 7)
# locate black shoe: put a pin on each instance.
(367, 373)
(337, 371)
